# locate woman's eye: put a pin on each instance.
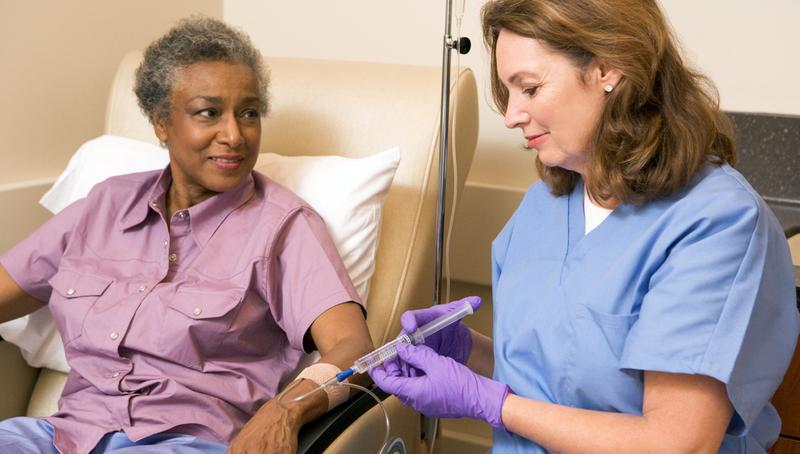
(251, 113)
(208, 113)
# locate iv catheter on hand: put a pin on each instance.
(389, 350)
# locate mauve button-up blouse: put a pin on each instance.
(188, 328)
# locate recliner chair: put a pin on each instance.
(322, 107)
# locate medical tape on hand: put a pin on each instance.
(320, 373)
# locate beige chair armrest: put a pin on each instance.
(18, 380)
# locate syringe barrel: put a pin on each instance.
(380, 354)
(444, 320)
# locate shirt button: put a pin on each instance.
(154, 204)
(142, 288)
(173, 257)
(181, 215)
(115, 375)
(70, 291)
(114, 335)
(197, 311)
(166, 243)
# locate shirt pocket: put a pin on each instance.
(74, 294)
(599, 382)
(613, 327)
(195, 325)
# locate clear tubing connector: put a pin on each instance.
(389, 350)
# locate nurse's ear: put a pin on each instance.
(603, 75)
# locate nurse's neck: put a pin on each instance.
(608, 204)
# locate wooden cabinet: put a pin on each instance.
(787, 398)
(785, 446)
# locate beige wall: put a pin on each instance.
(59, 58)
(58, 61)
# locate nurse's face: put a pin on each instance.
(556, 104)
(214, 129)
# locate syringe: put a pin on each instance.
(389, 350)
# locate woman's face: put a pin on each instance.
(214, 128)
(548, 100)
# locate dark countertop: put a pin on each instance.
(768, 155)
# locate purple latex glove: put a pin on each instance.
(447, 389)
(454, 341)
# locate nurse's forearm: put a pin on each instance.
(481, 357)
(682, 414)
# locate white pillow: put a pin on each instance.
(97, 160)
(347, 192)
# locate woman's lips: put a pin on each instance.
(227, 162)
(535, 141)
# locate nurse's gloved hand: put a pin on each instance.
(446, 388)
(454, 341)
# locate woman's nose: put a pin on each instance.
(230, 132)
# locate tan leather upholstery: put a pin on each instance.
(349, 109)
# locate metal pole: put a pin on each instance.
(443, 136)
(429, 425)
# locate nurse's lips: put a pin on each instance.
(535, 140)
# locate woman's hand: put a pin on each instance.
(446, 388)
(454, 341)
(274, 428)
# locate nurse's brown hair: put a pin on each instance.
(661, 123)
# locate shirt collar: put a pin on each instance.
(208, 215)
(205, 217)
(145, 198)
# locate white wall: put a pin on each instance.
(750, 49)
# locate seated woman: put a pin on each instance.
(185, 297)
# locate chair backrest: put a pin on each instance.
(322, 107)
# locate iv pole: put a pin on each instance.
(462, 45)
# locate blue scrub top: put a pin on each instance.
(697, 283)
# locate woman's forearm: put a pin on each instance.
(14, 302)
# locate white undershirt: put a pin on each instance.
(593, 214)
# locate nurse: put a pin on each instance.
(643, 292)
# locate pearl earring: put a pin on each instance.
(608, 88)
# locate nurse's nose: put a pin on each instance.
(515, 116)
(230, 132)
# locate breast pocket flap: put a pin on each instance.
(71, 284)
(202, 305)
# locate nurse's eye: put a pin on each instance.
(530, 91)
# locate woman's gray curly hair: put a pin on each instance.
(193, 40)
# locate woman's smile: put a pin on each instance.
(227, 162)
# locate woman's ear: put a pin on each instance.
(160, 128)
